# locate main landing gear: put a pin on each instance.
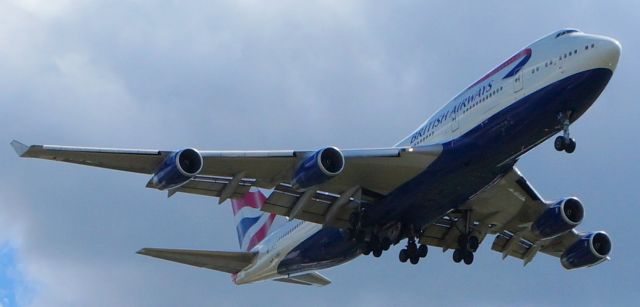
(413, 252)
(564, 142)
(467, 242)
(376, 246)
(371, 240)
(467, 245)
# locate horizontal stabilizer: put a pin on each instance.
(308, 279)
(229, 262)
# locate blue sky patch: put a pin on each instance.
(12, 282)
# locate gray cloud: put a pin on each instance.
(260, 75)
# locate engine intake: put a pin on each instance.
(321, 166)
(177, 169)
(588, 251)
(559, 218)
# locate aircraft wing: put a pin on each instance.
(507, 208)
(368, 173)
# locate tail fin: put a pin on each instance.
(252, 224)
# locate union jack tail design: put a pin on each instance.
(252, 224)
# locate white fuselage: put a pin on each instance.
(552, 59)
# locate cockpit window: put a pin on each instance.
(563, 32)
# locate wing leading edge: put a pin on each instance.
(368, 173)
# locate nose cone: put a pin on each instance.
(610, 51)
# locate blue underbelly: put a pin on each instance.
(326, 248)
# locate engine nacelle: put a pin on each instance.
(177, 169)
(321, 166)
(559, 218)
(588, 251)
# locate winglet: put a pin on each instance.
(20, 148)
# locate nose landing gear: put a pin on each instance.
(564, 142)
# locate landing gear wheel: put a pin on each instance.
(366, 251)
(403, 255)
(377, 253)
(457, 255)
(570, 147)
(473, 243)
(414, 259)
(422, 251)
(559, 143)
(412, 249)
(386, 244)
(463, 241)
(468, 258)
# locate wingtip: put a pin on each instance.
(142, 251)
(19, 147)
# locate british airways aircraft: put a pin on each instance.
(449, 184)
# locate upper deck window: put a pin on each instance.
(564, 32)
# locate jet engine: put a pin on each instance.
(588, 251)
(177, 169)
(559, 218)
(316, 169)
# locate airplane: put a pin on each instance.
(449, 184)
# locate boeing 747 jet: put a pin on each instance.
(451, 184)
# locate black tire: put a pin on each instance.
(377, 253)
(474, 243)
(414, 260)
(366, 251)
(560, 143)
(412, 249)
(570, 146)
(463, 241)
(386, 244)
(468, 258)
(403, 256)
(457, 255)
(422, 251)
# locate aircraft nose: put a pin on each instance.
(610, 51)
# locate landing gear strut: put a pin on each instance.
(564, 142)
(413, 252)
(467, 243)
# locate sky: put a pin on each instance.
(280, 75)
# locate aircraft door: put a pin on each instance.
(454, 123)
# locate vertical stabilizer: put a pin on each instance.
(252, 224)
